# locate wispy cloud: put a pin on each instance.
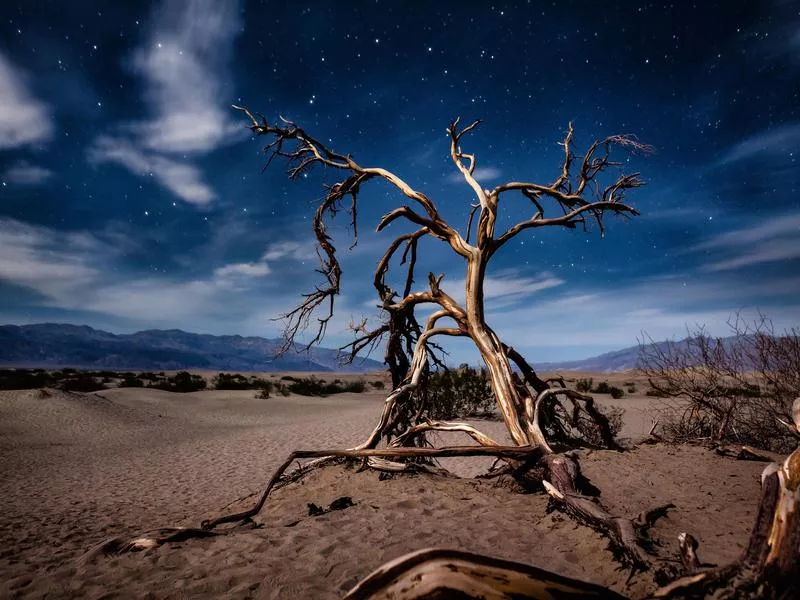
(24, 119)
(606, 318)
(506, 288)
(27, 174)
(78, 271)
(51, 263)
(254, 269)
(183, 65)
(772, 240)
(182, 178)
(781, 140)
(291, 250)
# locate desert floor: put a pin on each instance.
(80, 468)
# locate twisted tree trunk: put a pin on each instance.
(501, 376)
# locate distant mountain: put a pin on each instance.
(62, 345)
(613, 362)
(610, 362)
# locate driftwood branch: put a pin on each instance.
(442, 573)
(518, 452)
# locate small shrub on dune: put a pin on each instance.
(311, 386)
(82, 382)
(228, 381)
(181, 382)
(355, 387)
(130, 380)
(602, 388)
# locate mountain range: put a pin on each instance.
(63, 345)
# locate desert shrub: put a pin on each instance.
(602, 388)
(355, 387)
(131, 380)
(632, 388)
(584, 385)
(182, 382)
(311, 386)
(258, 383)
(739, 389)
(378, 384)
(289, 378)
(589, 430)
(306, 386)
(228, 381)
(24, 379)
(263, 393)
(458, 393)
(81, 382)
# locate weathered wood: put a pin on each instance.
(519, 452)
(441, 573)
(564, 473)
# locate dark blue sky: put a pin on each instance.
(132, 195)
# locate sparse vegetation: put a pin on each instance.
(182, 382)
(459, 393)
(24, 379)
(585, 386)
(131, 380)
(88, 381)
(81, 382)
(737, 390)
(228, 381)
(311, 386)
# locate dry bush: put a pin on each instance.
(458, 393)
(738, 389)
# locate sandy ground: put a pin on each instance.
(79, 468)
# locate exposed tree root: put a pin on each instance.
(627, 537)
(519, 452)
(747, 453)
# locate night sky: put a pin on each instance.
(132, 195)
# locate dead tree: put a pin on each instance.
(540, 418)
(577, 193)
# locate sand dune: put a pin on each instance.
(78, 468)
